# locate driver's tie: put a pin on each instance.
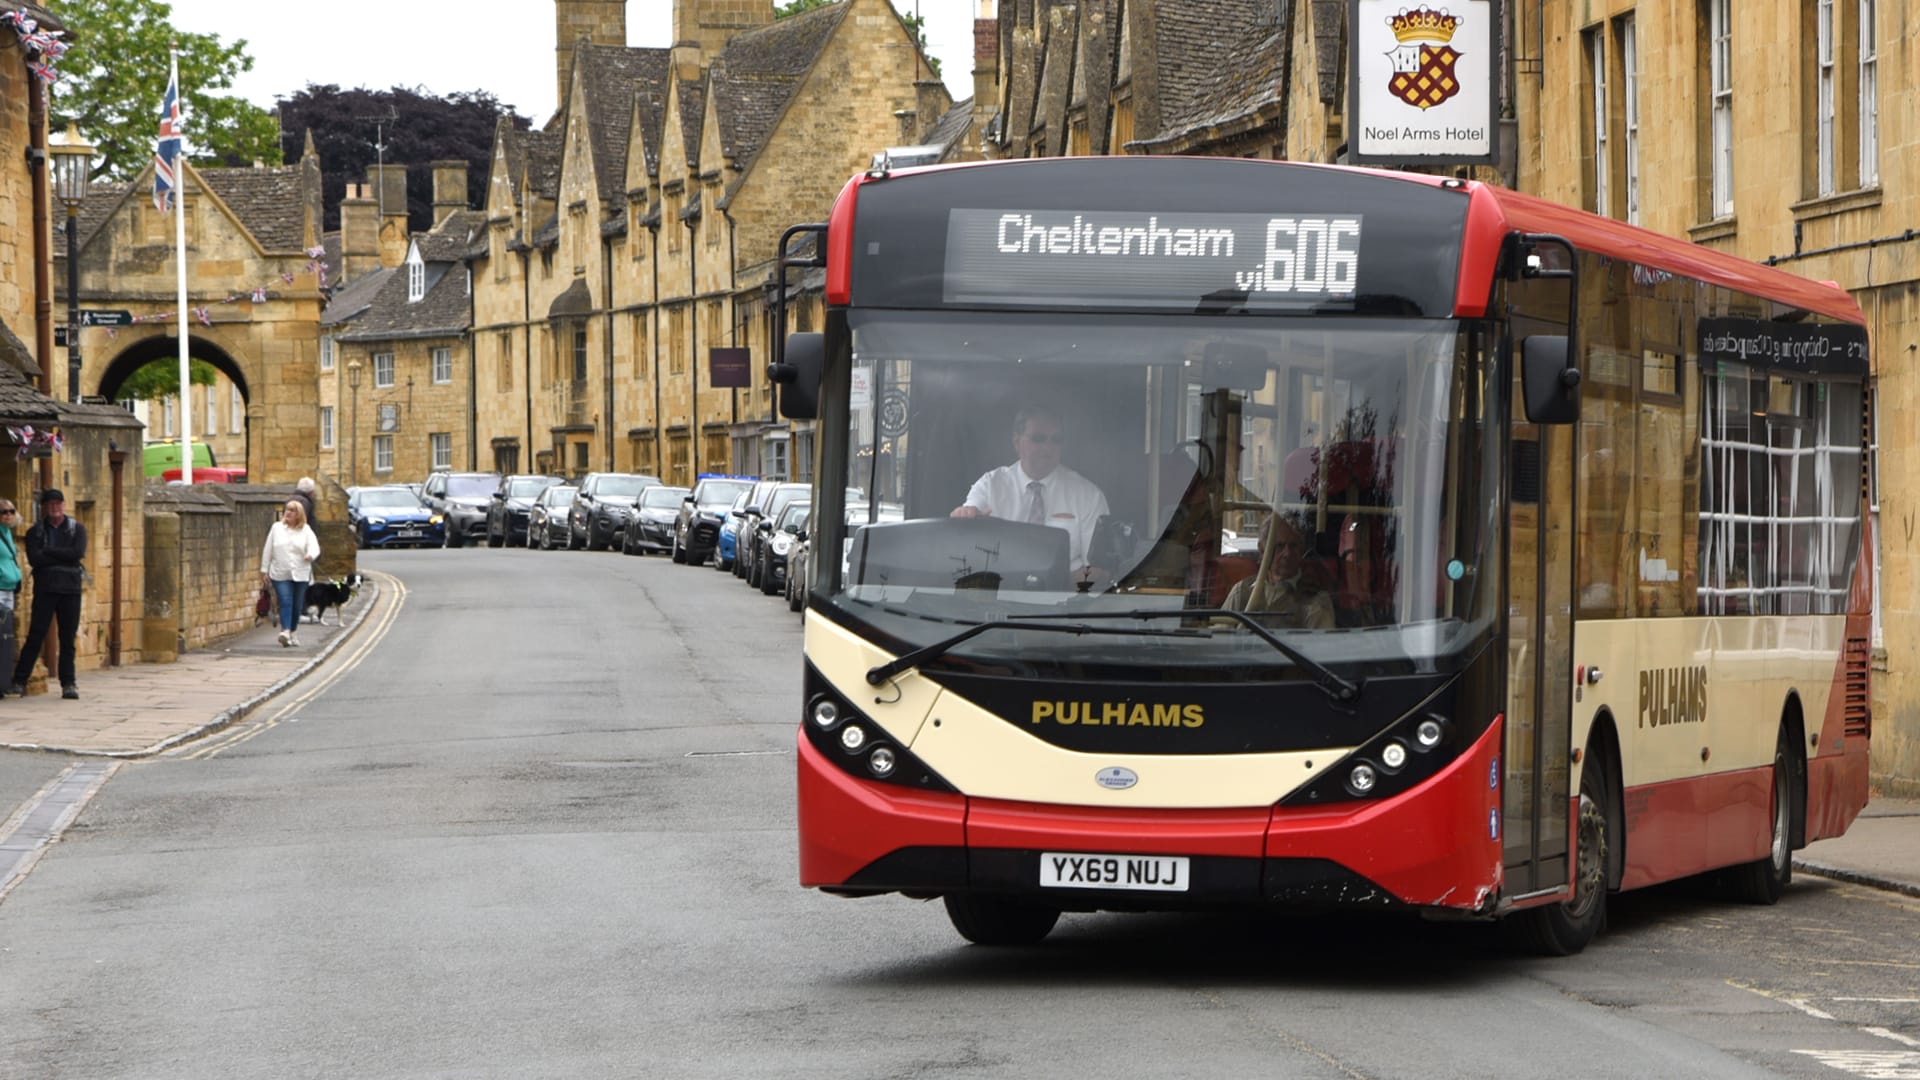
(1037, 504)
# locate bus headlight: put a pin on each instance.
(1393, 756)
(1429, 734)
(880, 761)
(826, 714)
(853, 737)
(1362, 779)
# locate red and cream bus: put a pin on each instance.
(1566, 592)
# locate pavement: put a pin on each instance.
(139, 710)
(143, 709)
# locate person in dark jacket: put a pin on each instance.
(56, 545)
(304, 491)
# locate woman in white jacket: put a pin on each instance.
(287, 560)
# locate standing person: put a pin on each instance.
(9, 580)
(56, 545)
(304, 492)
(287, 560)
(1037, 488)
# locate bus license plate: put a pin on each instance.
(1155, 873)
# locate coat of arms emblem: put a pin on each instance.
(1423, 60)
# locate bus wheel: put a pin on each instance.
(997, 920)
(1565, 928)
(1764, 879)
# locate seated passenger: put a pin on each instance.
(1282, 597)
(1037, 488)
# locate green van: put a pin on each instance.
(162, 456)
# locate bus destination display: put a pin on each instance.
(1147, 259)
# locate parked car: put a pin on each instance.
(696, 528)
(393, 517)
(795, 579)
(651, 526)
(725, 543)
(749, 514)
(462, 498)
(780, 540)
(758, 523)
(512, 502)
(547, 519)
(601, 508)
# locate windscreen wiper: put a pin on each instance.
(1337, 688)
(882, 672)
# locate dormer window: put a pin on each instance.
(416, 276)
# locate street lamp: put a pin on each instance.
(353, 430)
(72, 164)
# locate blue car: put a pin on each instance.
(393, 517)
(729, 540)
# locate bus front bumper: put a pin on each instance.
(1436, 846)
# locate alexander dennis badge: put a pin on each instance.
(1423, 82)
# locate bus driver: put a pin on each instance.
(1037, 488)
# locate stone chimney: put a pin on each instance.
(359, 233)
(701, 28)
(931, 102)
(389, 183)
(602, 22)
(449, 189)
(986, 65)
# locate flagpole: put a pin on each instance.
(180, 277)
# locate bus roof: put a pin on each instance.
(1496, 211)
(1493, 212)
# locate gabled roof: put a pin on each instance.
(268, 202)
(612, 77)
(693, 103)
(533, 160)
(947, 132)
(1194, 43)
(453, 238)
(354, 298)
(442, 312)
(756, 76)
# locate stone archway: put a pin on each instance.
(233, 448)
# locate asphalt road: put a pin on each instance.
(546, 829)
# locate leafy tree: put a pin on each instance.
(915, 23)
(161, 378)
(113, 78)
(417, 127)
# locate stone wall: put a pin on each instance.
(203, 559)
(16, 193)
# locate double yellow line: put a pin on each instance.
(393, 596)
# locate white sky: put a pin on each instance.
(453, 45)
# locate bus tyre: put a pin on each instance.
(998, 920)
(1566, 928)
(1764, 879)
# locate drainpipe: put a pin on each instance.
(606, 297)
(42, 246)
(653, 313)
(116, 459)
(473, 379)
(733, 324)
(526, 334)
(693, 374)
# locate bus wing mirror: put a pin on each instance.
(798, 372)
(1549, 381)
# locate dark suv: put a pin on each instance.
(602, 508)
(462, 499)
(512, 502)
(696, 532)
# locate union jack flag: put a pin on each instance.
(166, 148)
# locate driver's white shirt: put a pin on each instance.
(1072, 502)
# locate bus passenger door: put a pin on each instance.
(1540, 565)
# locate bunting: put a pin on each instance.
(43, 47)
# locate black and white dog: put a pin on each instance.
(334, 594)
